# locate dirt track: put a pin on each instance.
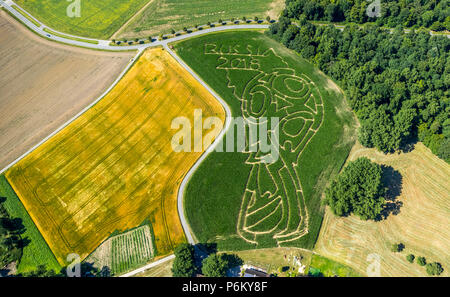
(43, 84)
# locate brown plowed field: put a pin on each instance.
(43, 84)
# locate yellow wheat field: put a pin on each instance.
(114, 167)
(422, 224)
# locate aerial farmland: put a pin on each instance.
(265, 138)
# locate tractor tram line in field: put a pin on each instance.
(136, 246)
(125, 71)
(101, 44)
(104, 45)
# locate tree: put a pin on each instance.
(358, 189)
(11, 243)
(397, 247)
(410, 258)
(183, 265)
(437, 26)
(172, 31)
(268, 19)
(421, 261)
(396, 83)
(215, 266)
(434, 268)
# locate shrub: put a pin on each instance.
(421, 261)
(434, 268)
(410, 258)
(397, 247)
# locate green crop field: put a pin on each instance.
(36, 252)
(235, 199)
(160, 16)
(98, 19)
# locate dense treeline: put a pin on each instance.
(396, 82)
(433, 14)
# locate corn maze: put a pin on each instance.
(273, 203)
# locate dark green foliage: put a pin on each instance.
(434, 268)
(35, 251)
(41, 271)
(398, 247)
(433, 14)
(410, 258)
(11, 243)
(358, 189)
(397, 83)
(183, 265)
(215, 266)
(421, 261)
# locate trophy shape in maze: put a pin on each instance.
(273, 205)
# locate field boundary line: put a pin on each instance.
(105, 44)
(139, 12)
(121, 75)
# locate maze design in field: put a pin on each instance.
(273, 206)
(131, 249)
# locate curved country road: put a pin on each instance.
(104, 45)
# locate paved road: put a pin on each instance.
(139, 51)
(105, 44)
(148, 266)
(210, 149)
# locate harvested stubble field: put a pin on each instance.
(114, 167)
(233, 198)
(44, 84)
(98, 19)
(160, 16)
(421, 224)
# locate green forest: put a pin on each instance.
(396, 82)
(407, 13)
